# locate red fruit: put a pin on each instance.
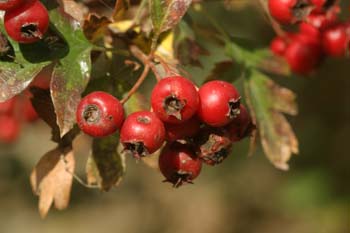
(241, 126)
(303, 55)
(9, 129)
(99, 114)
(7, 5)
(335, 40)
(27, 23)
(8, 106)
(214, 145)
(185, 130)
(219, 103)
(30, 114)
(288, 11)
(142, 133)
(278, 46)
(178, 164)
(321, 21)
(174, 99)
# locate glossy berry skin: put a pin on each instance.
(9, 129)
(179, 164)
(241, 126)
(7, 5)
(185, 130)
(335, 40)
(99, 114)
(282, 10)
(213, 145)
(27, 23)
(303, 55)
(278, 46)
(219, 103)
(174, 99)
(142, 133)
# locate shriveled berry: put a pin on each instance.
(241, 126)
(214, 145)
(99, 114)
(174, 99)
(185, 130)
(219, 103)
(9, 129)
(335, 40)
(179, 164)
(142, 133)
(27, 23)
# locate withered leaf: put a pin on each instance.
(166, 14)
(121, 6)
(94, 27)
(108, 161)
(52, 179)
(268, 101)
(74, 9)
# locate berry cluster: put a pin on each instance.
(198, 124)
(25, 21)
(320, 33)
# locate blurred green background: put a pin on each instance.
(242, 195)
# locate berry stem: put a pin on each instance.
(137, 84)
(275, 26)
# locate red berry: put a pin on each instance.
(9, 129)
(288, 11)
(99, 114)
(8, 106)
(30, 114)
(174, 99)
(178, 164)
(241, 126)
(219, 103)
(335, 40)
(27, 23)
(7, 5)
(278, 46)
(185, 130)
(214, 145)
(142, 133)
(303, 55)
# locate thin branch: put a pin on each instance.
(137, 84)
(139, 11)
(275, 26)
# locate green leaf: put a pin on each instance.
(16, 72)
(268, 101)
(166, 14)
(71, 73)
(106, 166)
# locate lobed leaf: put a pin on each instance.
(268, 101)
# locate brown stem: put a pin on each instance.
(275, 26)
(137, 84)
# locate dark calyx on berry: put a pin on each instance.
(137, 149)
(30, 30)
(91, 114)
(233, 108)
(173, 106)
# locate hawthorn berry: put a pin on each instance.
(27, 23)
(30, 114)
(241, 126)
(185, 130)
(303, 55)
(288, 11)
(179, 164)
(213, 145)
(7, 5)
(99, 114)
(9, 128)
(278, 46)
(219, 103)
(8, 106)
(174, 99)
(142, 133)
(335, 40)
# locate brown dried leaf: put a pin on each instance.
(95, 27)
(52, 179)
(267, 101)
(76, 10)
(121, 6)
